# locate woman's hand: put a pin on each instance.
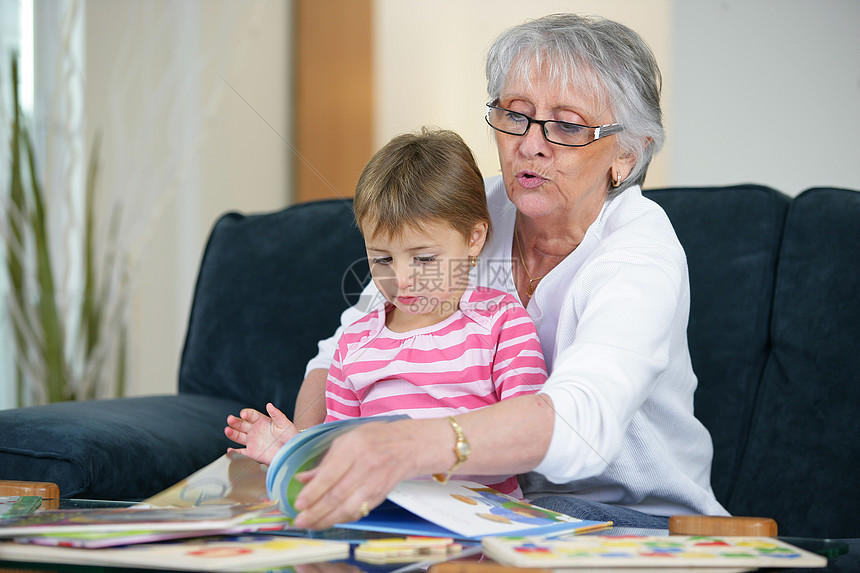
(364, 464)
(261, 435)
(361, 467)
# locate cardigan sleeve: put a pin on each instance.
(624, 309)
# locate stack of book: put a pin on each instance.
(237, 507)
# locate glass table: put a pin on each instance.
(842, 554)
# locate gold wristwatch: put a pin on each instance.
(461, 450)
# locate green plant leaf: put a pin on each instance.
(52, 327)
(39, 326)
(15, 215)
(91, 311)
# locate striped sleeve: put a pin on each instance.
(518, 366)
(341, 401)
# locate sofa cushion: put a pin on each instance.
(123, 449)
(731, 237)
(810, 393)
(265, 295)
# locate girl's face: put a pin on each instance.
(423, 272)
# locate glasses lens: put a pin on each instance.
(568, 133)
(507, 121)
(560, 132)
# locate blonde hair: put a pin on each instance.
(429, 176)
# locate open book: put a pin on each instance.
(303, 453)
(464, 510)
(460, 509)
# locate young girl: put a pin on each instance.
(436, 345)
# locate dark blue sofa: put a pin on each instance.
(774, 336)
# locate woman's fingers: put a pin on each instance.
(326, 488)
(357, 473)
(334, 508)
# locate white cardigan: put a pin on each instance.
(612, 320)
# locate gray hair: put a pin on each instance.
(603, 57)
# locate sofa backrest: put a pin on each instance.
(773, 299)
(249, 335)
(731, 238)
(802, 463)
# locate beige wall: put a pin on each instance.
(764, 91)
(193, 102)
(430, 61)
(743, 80)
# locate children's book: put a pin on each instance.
(464, 510)
(460, 509)
(131, 519)
(15, 505)
(303, 453)
(232, 478)
(664, 553)
(271, 521)
(229, 553)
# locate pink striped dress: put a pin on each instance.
(485, 352)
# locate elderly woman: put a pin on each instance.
(575, 105)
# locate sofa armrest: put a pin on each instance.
(121, 449)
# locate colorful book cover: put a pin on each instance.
(242, 553)
(666, 552)
(302, 453)
(15, 505)
(112, 520)
(271, 521)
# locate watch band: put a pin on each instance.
(461, 450)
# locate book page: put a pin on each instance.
(232, 478)
(471, 510)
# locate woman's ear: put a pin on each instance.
(477, 238)
(621, 168)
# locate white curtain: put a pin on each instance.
(48, 40)
(10, 34)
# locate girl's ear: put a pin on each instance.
(477, 238)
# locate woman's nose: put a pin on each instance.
(534, 143)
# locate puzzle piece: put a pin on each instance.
(406, 550)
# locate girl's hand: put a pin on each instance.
(261, 435)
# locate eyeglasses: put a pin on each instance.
(558, 132)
